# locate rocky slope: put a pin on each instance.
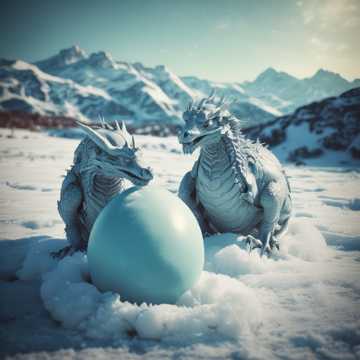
(321, 131)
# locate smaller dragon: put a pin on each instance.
(103, 160)
(236, 185)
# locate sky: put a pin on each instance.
(222, 40)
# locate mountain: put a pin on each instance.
(62, 59)
(76, 84)
(24, 87)
(129, 85)
(251, 110)
(327, 131)
(286, 92)
(129, 91)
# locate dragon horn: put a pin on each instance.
(201, 103)
(98, 139)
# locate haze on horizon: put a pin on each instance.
(228, 40)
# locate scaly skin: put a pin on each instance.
(102, 161)
(235, 185)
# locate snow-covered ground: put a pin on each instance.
(302, 303)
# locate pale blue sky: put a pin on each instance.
(226, 40)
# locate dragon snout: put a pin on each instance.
(185, 136)
(147, 173)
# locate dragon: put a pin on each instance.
(102, 161)
(236, 185)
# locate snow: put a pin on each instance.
(301, 303)
(270, 109)
(52, 87)
(300, 135)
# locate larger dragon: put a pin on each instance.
(103, 160)
(235, 185)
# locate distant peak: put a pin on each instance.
(101, 58)
(63, 58)
(269, 72)
(321, 71)
(138, 65)
(324, 72)
(74, 52)
(161, 68)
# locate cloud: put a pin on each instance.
(331, 14)
(319, 44)
(323, 46)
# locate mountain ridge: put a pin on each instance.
(145, 94)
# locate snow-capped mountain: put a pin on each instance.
(277, 90)
(76, 84)
(62, 59)
(128, 84)
(286, 92)
(132, 92)
(327, 131)
(24, 87)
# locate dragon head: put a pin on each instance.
(115, 153)
(205, 123)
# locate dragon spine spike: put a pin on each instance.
(212, 95)
(102, 121)
(99, 120)
(201, 103)
(133, 142)
(117, 125)
(221, 101)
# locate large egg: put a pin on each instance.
(147, 246)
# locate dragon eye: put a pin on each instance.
(207, 123)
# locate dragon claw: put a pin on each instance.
(252, 243)
(269, 246)
(265, 249)
(275, 243)
(60, 254)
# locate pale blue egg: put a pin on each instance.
(147, 246)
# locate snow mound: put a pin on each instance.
(217, 305)
(228, 253)
(37, 260)
(303, 240)
(220, 305)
